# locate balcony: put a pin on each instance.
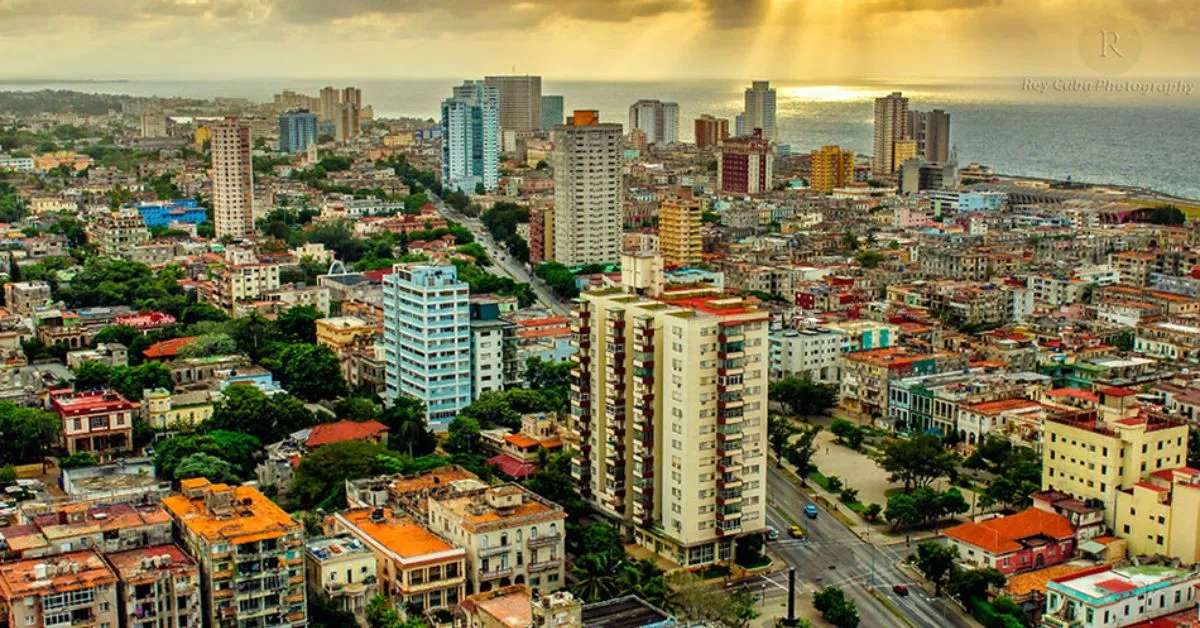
(492, 551)
(545, 565)
(544, 540)
(494, 573)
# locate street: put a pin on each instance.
(501, 260)
(833, 555)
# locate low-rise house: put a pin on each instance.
(24, 297)
(1118, 596)
(128, 480)
(1030, 539)
(185, 409)
(100, 422)
(1087, 521)
(284, 456)
(107, 353)
(510, 534)
(344, 570)
(417, 570)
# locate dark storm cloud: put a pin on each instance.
(735, 13)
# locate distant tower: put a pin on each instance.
(891, 125)
(232, 179)
(760, 110)
(471, 137)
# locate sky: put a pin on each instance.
(598, 39)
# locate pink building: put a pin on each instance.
(97, 421)
(1030, 539)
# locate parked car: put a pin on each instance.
(772, 534)
(810, 511)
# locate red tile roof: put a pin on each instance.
(512, 467)
(1115, 585)
(1001, 535)
(344, 430)
(1116, 391)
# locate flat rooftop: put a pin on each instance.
(623, 612)
(1105, 585)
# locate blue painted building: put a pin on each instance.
(297, 129)
(427, 340)
(163, 213)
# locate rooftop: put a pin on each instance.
(91, 402)
(506, 504)
(219, 512)
(1104, 585)
(136, 564)
(1004, 534)
(335, 547)
(623, 612)
(344, 430)
(64, 572)
(509, 605)
(400, 535)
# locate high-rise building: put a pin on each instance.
(552, 112)
(297, 129)
(329, 98)
(710, 131)
(471, 138)
(745, 165)
(931, 130)
(346, 123)
(232, 179)
(427, 340)
(669, 411)
(658, 120)
(351, 95)
(902, 151)
(158, 582)
(760, 110)
(679, 234)
(587, 162)
(68, 589)
(251, 554)
(891, 125)
(831, 168)
(519, 103)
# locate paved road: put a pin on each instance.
(833, 555)
(502, 261)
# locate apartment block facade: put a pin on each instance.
(427, 339)
(232, 179)
(72, 589)
(679, 232)
(157, 586)
(250, 554)
(669, 410)
(588, 191)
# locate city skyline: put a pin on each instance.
(626, 39)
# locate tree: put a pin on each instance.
(924, 506)
(246, 409)
(779, 432)
(847, 433)
(970, 584)
(918, 461)
(78, 459)
(848, 495)
(92, 375)
(298, 324)
(235, 448)
(208, 345)
(381, 614)
(132, 381)
(833, 605)
(462, 436)
(872, 512)
(202, 465)
(408, 431)
(803, 448)
(322, 474)
(697, 601)
(802, 396)
(869, 258)
(311, 372)
(323, 613)
(356, 408)
(26, 434)
(936, 561)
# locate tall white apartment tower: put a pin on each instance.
(669, 417)
(471, 137)
(587, 191)
(658, 120)
(760, 110)
(891, 125)
(232, 179)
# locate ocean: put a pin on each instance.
(1122, 133)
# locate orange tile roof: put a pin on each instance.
(129, 567)
(430, 479)
(344, 430)
(521, 440)
(168, 348)
(400, 535)
(1003, 405)
(1025, 583)
(1001, 535)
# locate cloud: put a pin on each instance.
(735, 13)
(909, 6)
(507, 12)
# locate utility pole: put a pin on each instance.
(791, 594)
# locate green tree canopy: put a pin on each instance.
(26, 434)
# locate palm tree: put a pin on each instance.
(594, 577)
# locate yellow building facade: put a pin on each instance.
(831, 168)
(679, 237)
